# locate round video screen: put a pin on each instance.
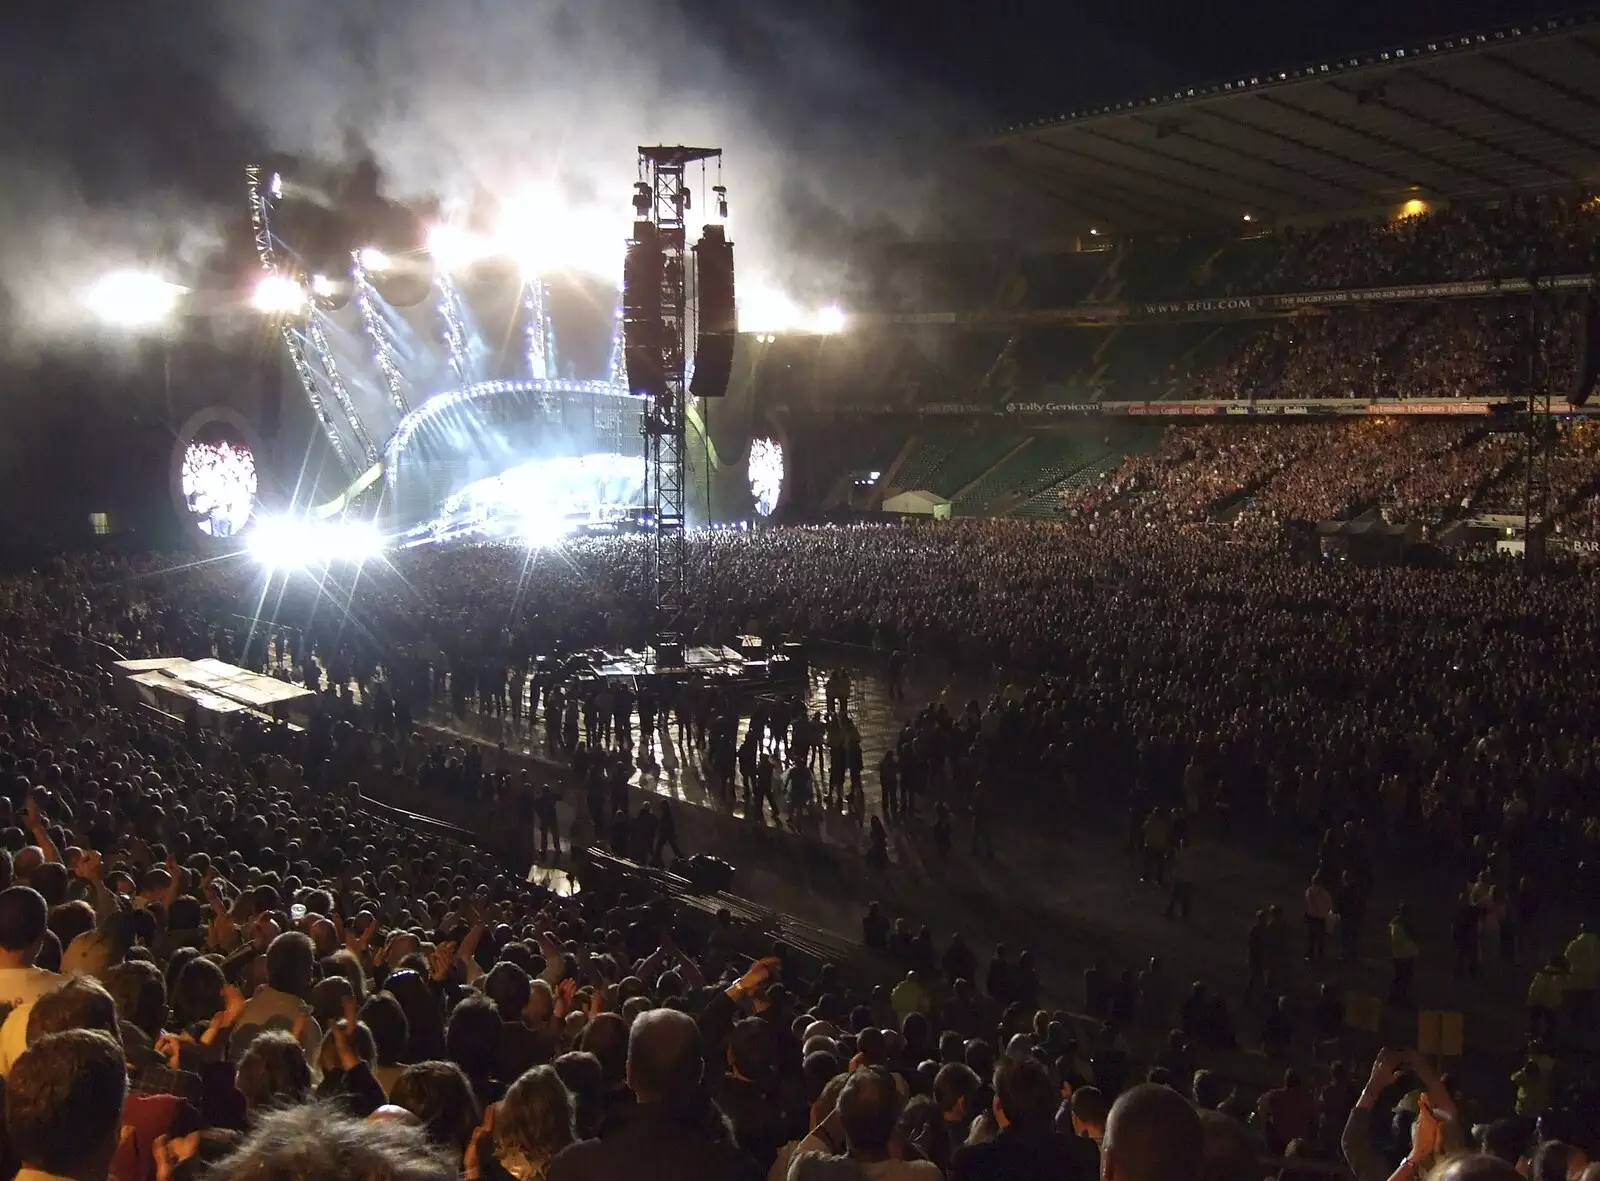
(766, 474)
(217, 480)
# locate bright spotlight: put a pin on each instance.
(375, 260)
(454, 248)
(295, 543)
(277, 543)
(541, 231)
(323, 286)
(278, 295)
(541, 532)
(133, 299)
(831, 319)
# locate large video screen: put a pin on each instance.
(217, 480)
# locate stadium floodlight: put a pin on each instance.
(133, 299)
(278, 294)
(375, 260)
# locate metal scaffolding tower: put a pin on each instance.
(662, 198)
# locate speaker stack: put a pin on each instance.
(717, 322)
(641, 312)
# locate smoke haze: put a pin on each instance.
(450, 98)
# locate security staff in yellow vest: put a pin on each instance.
(1583, 979)
(1545, 996)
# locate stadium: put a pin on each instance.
(1110, 695)
(1406, 237)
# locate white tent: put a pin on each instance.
(920, 501)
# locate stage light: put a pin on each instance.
(541, 231)
(275, 186)
(541, 532)
(277, 543)
(133, 299)
(831, 319)
(375, 260)
(296, 543)
(278, 295)
(323, 286)
(454, 248)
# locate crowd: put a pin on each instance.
(219, 958)
(1419, 350)
(1423, 470)
(1513, 237)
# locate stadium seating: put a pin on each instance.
(970, 455)
(928, 454)
(1038, 462)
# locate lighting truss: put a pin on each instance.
(262, 192)
(548, 389)
(319, 340)
(455, 329)
(308, 381)
(383, 349)
(539, 355)
(616, 368)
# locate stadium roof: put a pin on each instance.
(1469, 116)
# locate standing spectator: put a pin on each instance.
(869, 1106)
(1403, 953)
(1319, 909)
(1152, 1134)
(64, 1100)
(1028, 1148)
(670, 1134)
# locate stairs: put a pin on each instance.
(972, 498)
(1044, 504)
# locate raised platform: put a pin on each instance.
(749, 670)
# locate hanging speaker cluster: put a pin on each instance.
(641, 311)
(1583, 380)
(717, 322)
